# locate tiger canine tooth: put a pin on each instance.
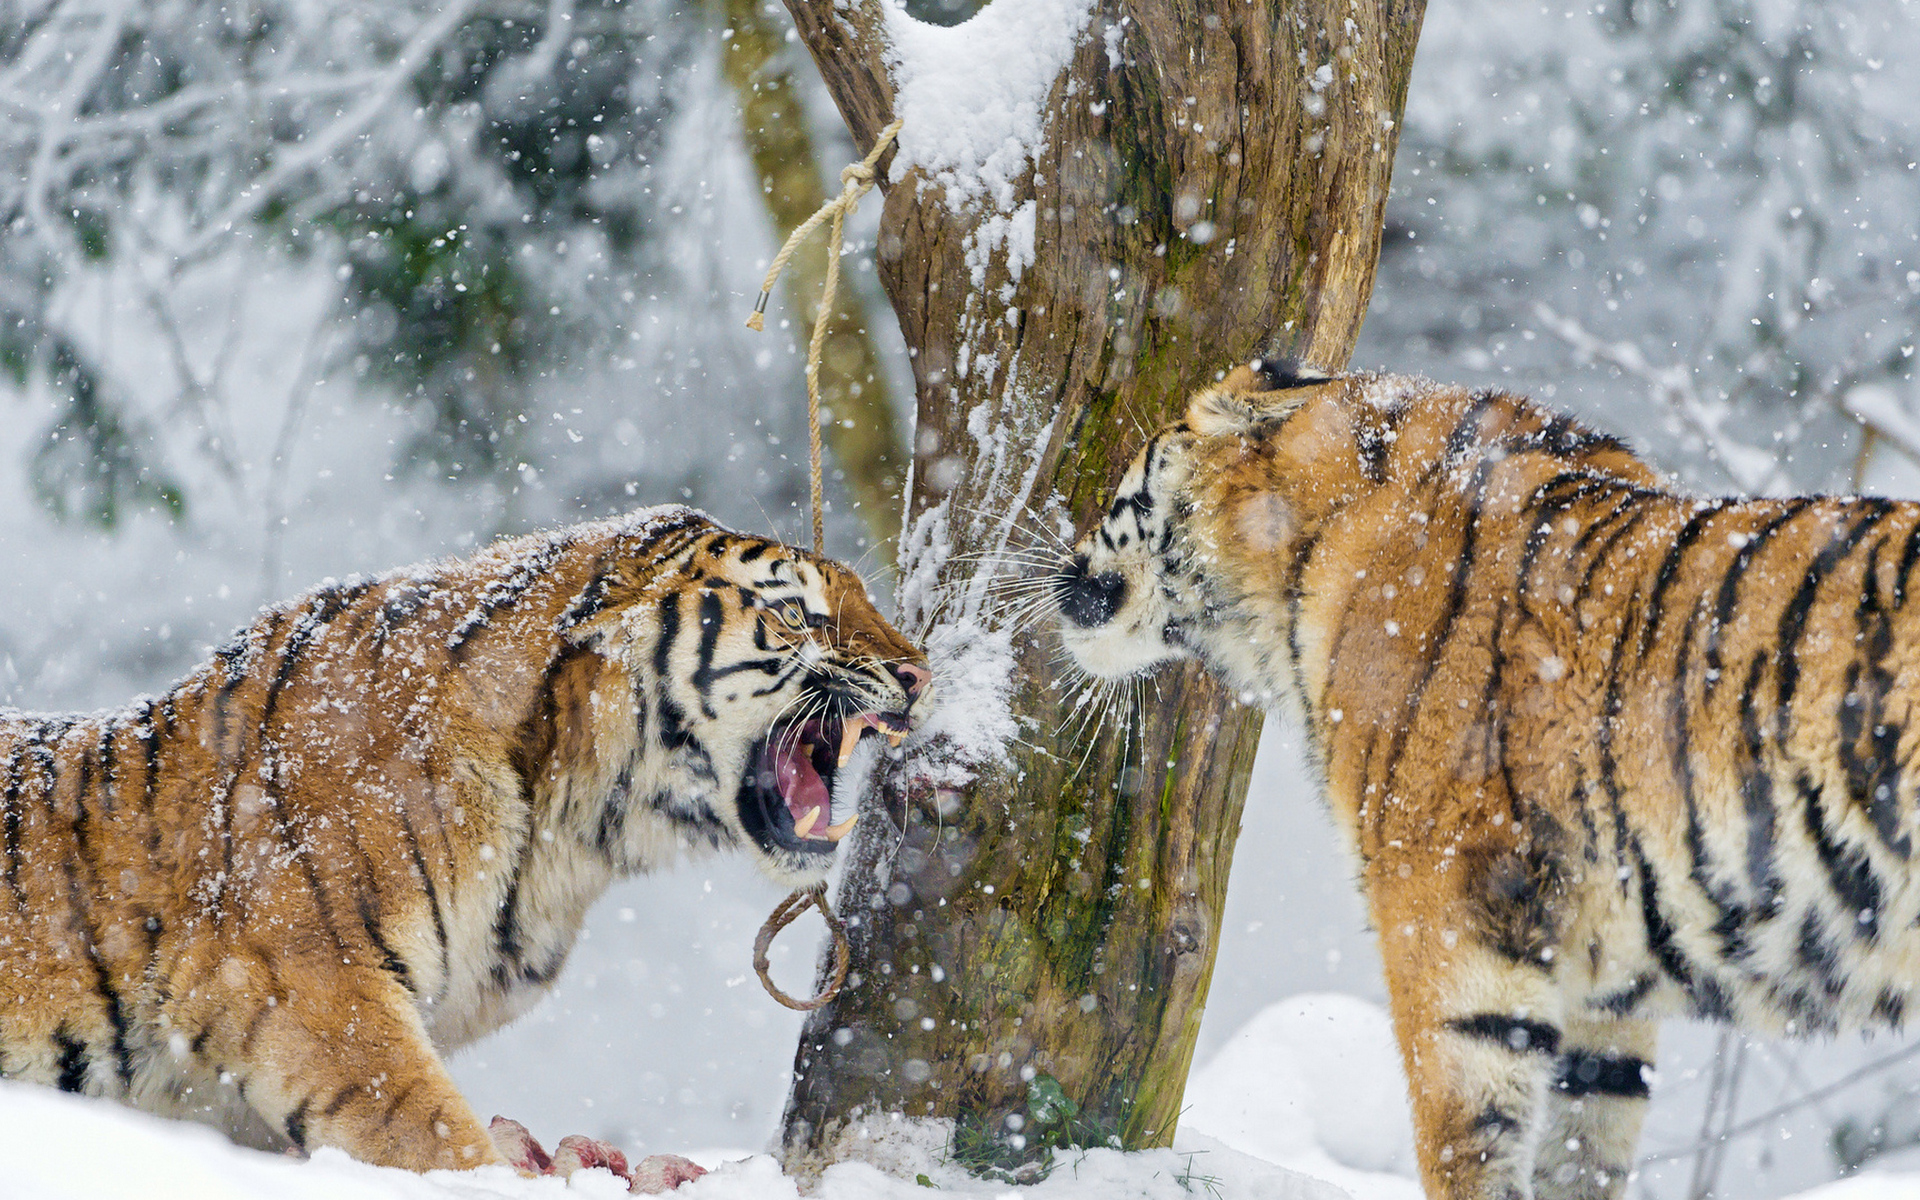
(834, 833)
(894, 739)
(849, 738)
(804, 825)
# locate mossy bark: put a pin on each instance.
(1211, 187)
(859, 425)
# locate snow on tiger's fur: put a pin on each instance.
(369, 828)
(1602, 750)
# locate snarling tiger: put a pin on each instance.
(1603, 750)
(368, 829)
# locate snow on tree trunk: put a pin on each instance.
(1095, 206)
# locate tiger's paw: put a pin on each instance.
(654, 1174)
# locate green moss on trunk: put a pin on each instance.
(1056, 919)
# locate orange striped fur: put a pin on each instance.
(367, 831)
(1602, 750)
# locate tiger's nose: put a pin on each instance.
(913, 677)
(1086, 597)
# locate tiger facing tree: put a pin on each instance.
(1602, 751)
(369, 829)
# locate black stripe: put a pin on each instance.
(1290, 588)
(612, 823)
(1730, 587)
(1909, 555)
(1819, 955)
(1519, 1034)
(297, 1123)
(1730, 915)
(1670, 568)
(1873, 777)
(104, 752)
(1708, 998)
(389, 959)
(79, 898)
(339, 1100)
(260, 1014)
(398, 1098)
(1371, 442)
(1793, 621)
(10, 819)
(320, 612)
(150, 742)
(506, 928)
(302, 848)
(1609, 764)
(1604, 551)
(433, 894)
(712, 620)
(1757, 799)
(73, 1061)
(1627, 999)
(1849, 872)
(1463, 565)
(1586, 1074)
(594, 598)
(669, 634)
(502, 590)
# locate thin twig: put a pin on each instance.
(1768, 1117)
(325, 142)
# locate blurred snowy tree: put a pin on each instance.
(479, 181)
(1715, 198)
(464, 169)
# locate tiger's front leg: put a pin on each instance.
(1479, 1027)
(331, 1055)
(1594, 1107)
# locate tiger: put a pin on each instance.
(1600, 750)
(367, 830)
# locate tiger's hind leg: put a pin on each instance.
(1479, 1030)
(1593, 1110)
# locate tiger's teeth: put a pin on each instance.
(850, 737)
(804, 825)
(894, 739)
(834, 833)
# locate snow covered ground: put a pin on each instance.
(1303, 1103)
(1289, 1110)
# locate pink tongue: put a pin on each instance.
(800, 785)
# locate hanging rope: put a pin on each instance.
(856, 180)
(782, 917)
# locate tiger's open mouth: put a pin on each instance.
(788, 799)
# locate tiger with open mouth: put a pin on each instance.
(367, 831)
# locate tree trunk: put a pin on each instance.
(860, 430)
(1034, 917)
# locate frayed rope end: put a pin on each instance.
(758, 321)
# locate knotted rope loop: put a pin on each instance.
(856, 180)
(783, 916)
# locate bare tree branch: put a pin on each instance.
(1752, 469)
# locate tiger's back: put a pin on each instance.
(1603, 751)
(369, 828)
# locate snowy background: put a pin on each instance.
(508, 292)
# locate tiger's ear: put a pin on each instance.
(1253, 398)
